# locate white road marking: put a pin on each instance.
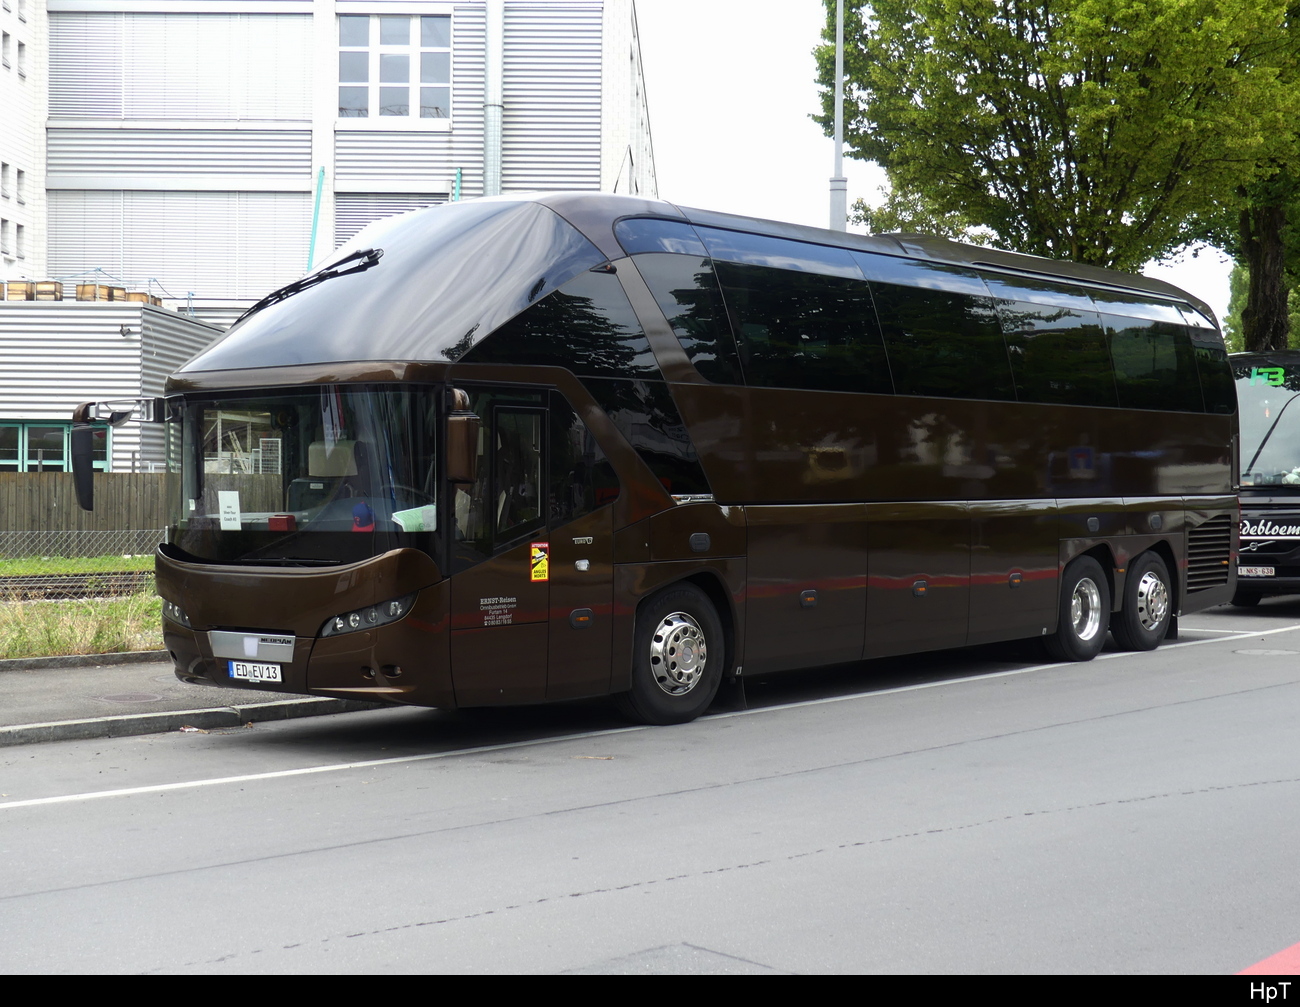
(401, 759)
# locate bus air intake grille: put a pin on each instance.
(1209, 548)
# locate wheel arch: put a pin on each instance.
(1165, 551)
(1105, 558)
(711, 584)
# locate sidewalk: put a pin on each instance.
(58, 699)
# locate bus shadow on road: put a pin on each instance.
(399, 732)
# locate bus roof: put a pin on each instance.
(428, 285)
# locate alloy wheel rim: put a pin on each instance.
(1085, 609)
(678, 654)
(1152, 601)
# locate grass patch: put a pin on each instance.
(86, 626)
(30, 566)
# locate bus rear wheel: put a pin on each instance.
(1143, 618)
(1084, 613)
(677, 658)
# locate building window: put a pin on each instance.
(4, 236)
(4, 47)
(4, 180)
(20, 189)
(22, 10)
(394, 66)
(42, 446)
(20, 248)
(22, 59)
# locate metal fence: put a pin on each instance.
(46, 546)
(47, 565)
(50, 548)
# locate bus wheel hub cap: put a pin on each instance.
(678, 654)
(1085, 610)
(1152, 601)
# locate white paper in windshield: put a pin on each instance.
(228, 501)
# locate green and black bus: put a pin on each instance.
(1268, 385)
(536, 448)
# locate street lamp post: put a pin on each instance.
(839, 184)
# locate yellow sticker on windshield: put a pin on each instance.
(540, 566)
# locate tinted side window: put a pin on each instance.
(1058, 354)
(1154, 364)
(778, 253)
(1056, 342)
(646, 234)
(587, 326)
(1215, 372)
(687, 292)
(804, 330)
(940, 329)
(581, 478)
(646, 415)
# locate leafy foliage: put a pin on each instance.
(906, 212)
(1092, 130)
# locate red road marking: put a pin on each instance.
(1284, 963)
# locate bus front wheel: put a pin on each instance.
(1084, 615)
(1143, 619)
(677, 660)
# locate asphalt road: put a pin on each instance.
(972, 811)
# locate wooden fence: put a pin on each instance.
(46, 501)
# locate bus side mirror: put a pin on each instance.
(462, 447)
(83, 459)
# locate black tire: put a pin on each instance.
(1081, 628)
(677, 658)
(1246, 599)
(1143, 618)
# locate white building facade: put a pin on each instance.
(193, 148)
(22, 127)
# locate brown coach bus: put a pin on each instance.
(527, 449)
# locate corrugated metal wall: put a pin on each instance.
(215, 244)
(168, 341)
(552, 94)
(353, 211)
(180, 66)
(176, 158)
(56, 355)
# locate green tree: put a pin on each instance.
(905, 211)
(1091, 130)
(1263, 236)
(1234, 331)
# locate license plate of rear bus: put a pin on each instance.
(1255, 571)
(249, 671)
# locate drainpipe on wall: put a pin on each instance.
(492, 98)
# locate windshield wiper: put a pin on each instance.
(357, 262)
(1276, 420)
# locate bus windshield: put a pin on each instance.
(1270, 423)
(333, 474)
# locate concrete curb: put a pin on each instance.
(83, 660)
(162, 722)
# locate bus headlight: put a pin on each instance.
(368, 618)
(175, 613)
